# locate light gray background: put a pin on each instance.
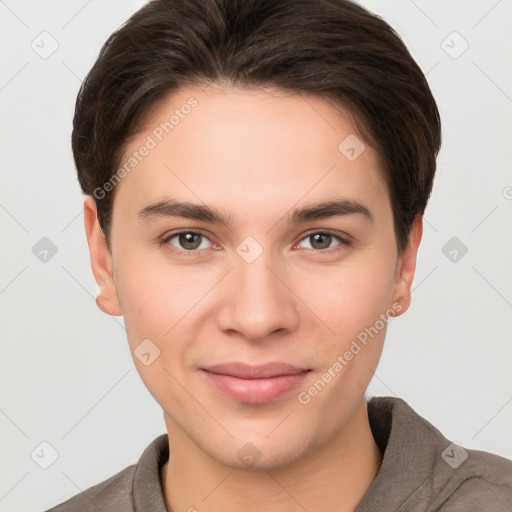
(67, 376)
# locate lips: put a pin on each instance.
(254, 384)
(246, 371)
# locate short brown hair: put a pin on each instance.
(335, 49)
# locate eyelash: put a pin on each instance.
(344, 242)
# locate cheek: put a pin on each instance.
(169, 304)
(154, 297)
(158, 304)
(349, 299)
(351, 306)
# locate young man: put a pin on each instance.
(256, 174)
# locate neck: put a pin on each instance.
(332, 477)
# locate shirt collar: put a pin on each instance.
(411, 447)
(147, 485)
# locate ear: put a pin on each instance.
(101, 261)
(406, 267)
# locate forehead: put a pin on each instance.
(249, 147)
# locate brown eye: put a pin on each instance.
(325, 242)
(187, 241)
(320, 240)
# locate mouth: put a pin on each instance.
(255, 384)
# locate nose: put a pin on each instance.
(257, 301)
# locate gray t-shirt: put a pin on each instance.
(421, 470)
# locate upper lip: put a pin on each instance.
(263, 371)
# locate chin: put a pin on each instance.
(260, 455)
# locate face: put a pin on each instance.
(284, 252)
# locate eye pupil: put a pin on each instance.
(323, 238)
(187, 240)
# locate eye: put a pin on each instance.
(321, 241)
(193, 242)
(187, 241)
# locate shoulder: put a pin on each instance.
(472, 480)
(423, 470)
(135, 488)
(111, 494)
(465, 479)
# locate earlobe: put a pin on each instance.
(101, 261)
(406, 267)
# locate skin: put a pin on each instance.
(256, 154)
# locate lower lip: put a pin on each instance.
(255, 391)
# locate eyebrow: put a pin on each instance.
(174, 208)
(188, 210)
(325, 210)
